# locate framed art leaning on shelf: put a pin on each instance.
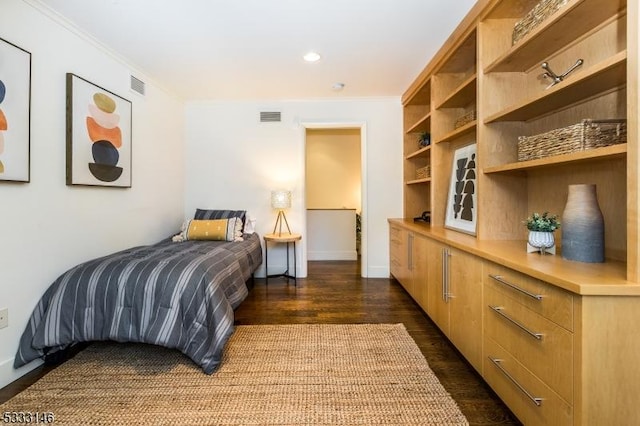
(462, 204)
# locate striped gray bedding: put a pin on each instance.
(177, 295)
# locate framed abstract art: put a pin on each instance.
(462, 202)
(98, 135)
(15, 112)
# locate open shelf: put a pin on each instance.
(460, 131)
(573, 20)
(606, 75)
(422, 152)
(421, 94)
(597, 154)
(463, 95)
(418, 181)
(423, 125)
(462, 59)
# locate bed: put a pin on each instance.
(178, 293)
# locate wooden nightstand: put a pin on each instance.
(279, 239)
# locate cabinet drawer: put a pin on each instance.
(540, 345)
(517, 387)
(549, 301)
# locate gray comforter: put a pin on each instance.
(177, 295)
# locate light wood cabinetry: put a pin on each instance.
(454, 302)
(528, 339)
(446, 283)
(399, 255)
(584, 365)
(558, 344)
(408, 254)
(465, 305)
(420, 269)
(530, 399)
(437, 301)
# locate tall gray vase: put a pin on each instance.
(582, 225)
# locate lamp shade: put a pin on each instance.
(280, 199)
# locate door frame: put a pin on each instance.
(362, 126)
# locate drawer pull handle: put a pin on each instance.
(496, 362)
(515, 287)
(498, 310)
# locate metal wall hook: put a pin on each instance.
(555, 79)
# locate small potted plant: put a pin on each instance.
(424, 139)
(541, 227)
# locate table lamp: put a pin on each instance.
(281, 200)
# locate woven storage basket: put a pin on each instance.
(587, 134)
(467, 118)
(423, 172)
(535, 16)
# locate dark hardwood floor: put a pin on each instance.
(335, 293)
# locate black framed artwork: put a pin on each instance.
(15, 112)
(99, 139)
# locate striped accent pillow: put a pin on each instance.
(206, 214)
(214, 230)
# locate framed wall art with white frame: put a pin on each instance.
(462, 201)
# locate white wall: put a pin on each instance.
(235, 161)
(47, 227)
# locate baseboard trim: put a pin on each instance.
(378, 272)
(8, 374)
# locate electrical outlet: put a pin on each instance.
(4, 318)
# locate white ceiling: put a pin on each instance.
(252, 49)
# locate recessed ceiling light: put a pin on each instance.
(311, 57)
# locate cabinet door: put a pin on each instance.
(399, 255)
(465, 305)
(437, 300)
(419, 270)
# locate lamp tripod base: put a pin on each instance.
(278, 225)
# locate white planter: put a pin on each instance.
(544, 242)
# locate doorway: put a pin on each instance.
(334, 194)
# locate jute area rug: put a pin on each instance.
(271, 375)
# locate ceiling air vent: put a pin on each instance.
(270, 116)
(137, 85)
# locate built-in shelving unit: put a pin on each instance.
(515, 100)
(483, 88)
(417, 120)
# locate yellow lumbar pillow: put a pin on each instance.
(216, 229)
(207, 229)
